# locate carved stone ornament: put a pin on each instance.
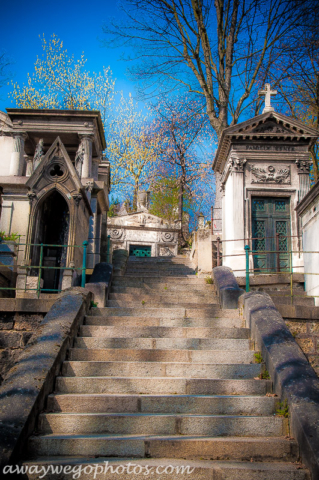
(270, 175)
(303, 166)
(38, 154)
(77, 197)
(79, 158)
(168, 237)
(31, 196)
(166, 252)
(89, 186)
(116, 233)
(237, 164)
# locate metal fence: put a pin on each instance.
(40, 268)
(249, 253)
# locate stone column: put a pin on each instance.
(303, 167)
(94, 235)
(29, 162)
(234, 217)
(218, 208)
(87, 160)
(16, 163)
(95, 168)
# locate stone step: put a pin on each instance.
(153, 279)
(193, 404)
(156, 355)
(242, 449)
(296, 300)
(167, 288)
(159, 369)
(162, 332)
(162, 385)
(161, 424)
(214, 323)
(149, 298)
(162, 304)
(159, 267)
(159, 274)
(177, 312)
(207, 344)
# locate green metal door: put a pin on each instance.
(271, 234)
(140, 250)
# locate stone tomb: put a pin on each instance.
(264, 168)
(143, 234)
(55, 190)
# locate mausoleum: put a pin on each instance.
(264, 166)
(143, 234)
(55, 186)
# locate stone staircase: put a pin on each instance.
(163, 378)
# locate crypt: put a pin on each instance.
(264, 167)
(55, 186)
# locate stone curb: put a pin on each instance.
(23, 394)
(227, 287)
(293, 377)
(100, 283)
(119, 261)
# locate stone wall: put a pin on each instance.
(16, 329)
(306, 334)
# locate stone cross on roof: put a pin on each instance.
(267, 92)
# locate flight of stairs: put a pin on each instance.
(164, 377)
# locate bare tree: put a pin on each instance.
(213, 49)
(183, 132)
(295, 74)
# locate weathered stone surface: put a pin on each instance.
(100, 292)
(294, 379)
(102, 272)
(23, 393)
(227, 287)
(25, 305)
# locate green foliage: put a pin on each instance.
(282, 409)
(165, 199)
(93, 304)
(13, 237)
(209, 280)
(112, 210)
(265, 375)
(258, 357)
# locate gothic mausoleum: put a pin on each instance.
(55, 186)
(264, 172)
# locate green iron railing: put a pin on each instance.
(42, 267)
(249, 253)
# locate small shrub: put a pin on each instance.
(9, 238)
(282, 409)
(93, 304)
(209, 280)
(265, 375)
(143, 302)
(258, 357)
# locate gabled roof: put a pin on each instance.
(270, 125)
(57, 150)
(56, 167)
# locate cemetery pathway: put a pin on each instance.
(163, 378)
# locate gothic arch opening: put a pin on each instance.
(51, 228)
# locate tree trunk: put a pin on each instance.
(135, 195)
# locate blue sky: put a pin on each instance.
(78, 24)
